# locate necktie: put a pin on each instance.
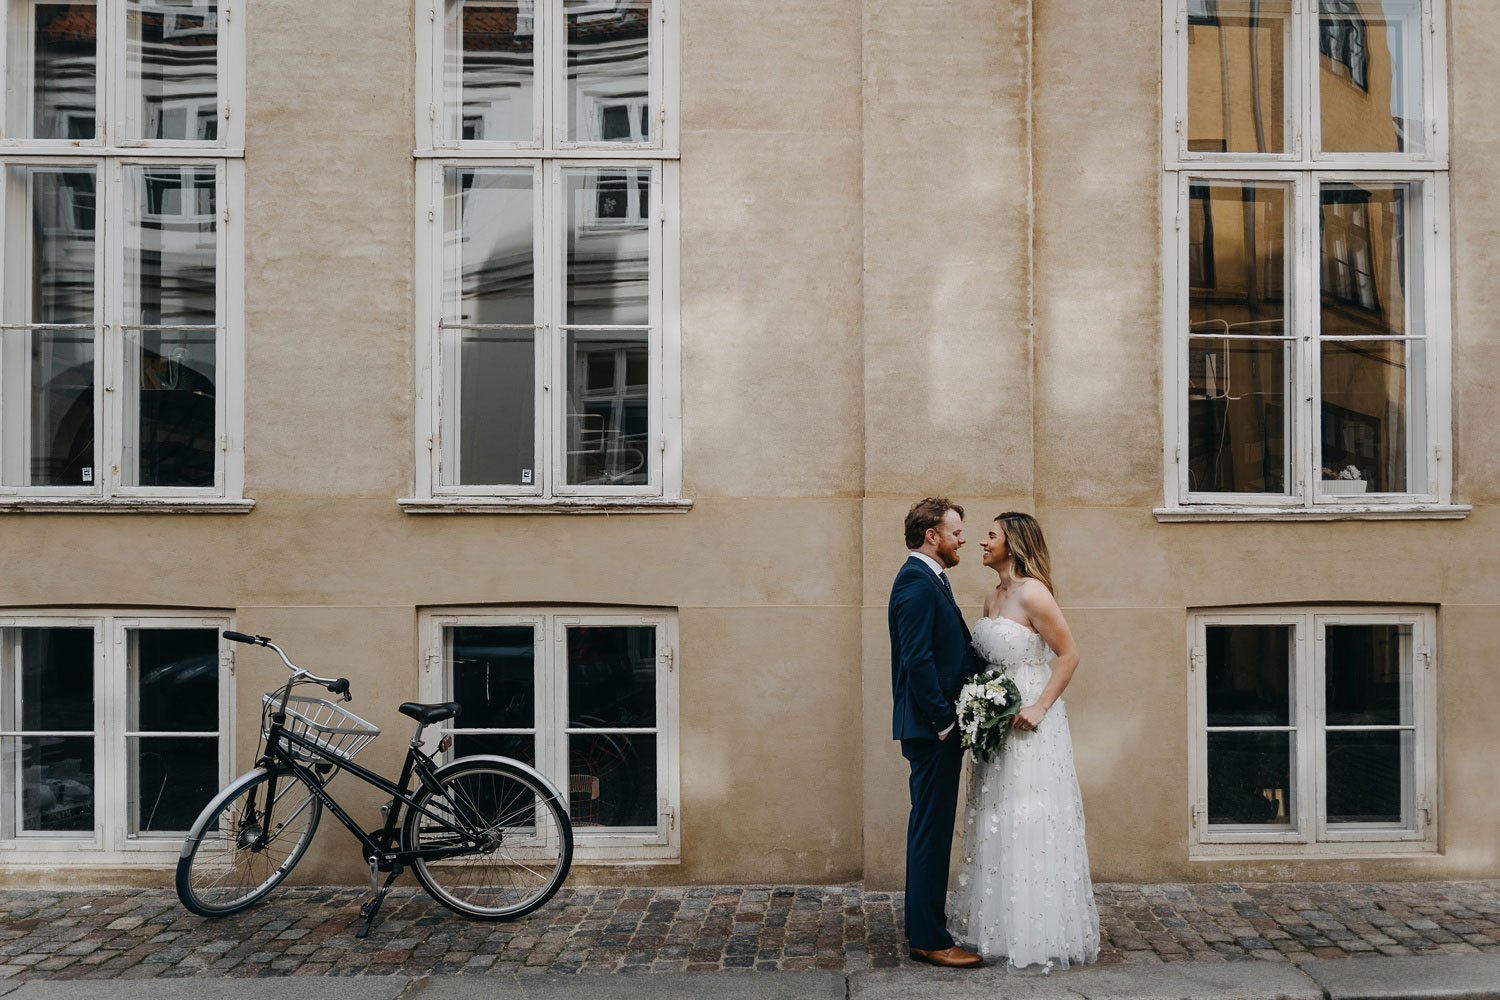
(946, 585)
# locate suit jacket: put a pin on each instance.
(931, 653)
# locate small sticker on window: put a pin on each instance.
(525, 477)
(88, 474)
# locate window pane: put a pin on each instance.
(1368, 675)
(1250, 779)
(173, 69)
(173, 435)
(171, 779)
(1237, 415)
(1370, 388)
(1371, 260)
(493, 673)
(489, 273)
(50, 245)
(612, 676)
(171, 246)
(495, 441)
(608, 67)
(1237, 76)
(490, 69)
(55, 778)
(609, 247)
(1370, 54)
(612, 780)
(49, 679)
(59, 100)
(48, 389)
(174, 675)
(608, 407)
(1370, 777)
(514, 746)
(1249, 675)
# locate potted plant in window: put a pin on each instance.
(1349, 480)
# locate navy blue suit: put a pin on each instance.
(931, 658)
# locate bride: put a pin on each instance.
(1023, 889)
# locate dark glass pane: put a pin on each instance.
(1237, 415)
(516, 747)
(1250, 779)
(1369, 777)
(1371, 259)
(609, 417)
(178, 417)
(1368, 675)
(493, 676)
(174, 779)
(497, 425)
(608, 63)
(57, 680)
(177, 678)
(612, 780)
(1373, 416)
(56, 775)
(612, 676)
(62, 407)
(1249, 675)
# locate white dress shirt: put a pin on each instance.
(937, 568)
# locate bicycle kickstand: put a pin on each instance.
(377, 896)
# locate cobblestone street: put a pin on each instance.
(130, 934)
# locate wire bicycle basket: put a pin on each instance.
(332, 727)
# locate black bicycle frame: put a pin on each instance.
(381, 846)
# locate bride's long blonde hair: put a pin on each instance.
(1028, 549)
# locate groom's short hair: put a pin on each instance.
(926, 514)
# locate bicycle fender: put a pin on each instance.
(527, 769)
(218, 800)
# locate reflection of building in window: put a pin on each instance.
(1200, 238)
(609, 423)
(64, 64)
(1203, 11)
(177, 51)
(621, 197)
(1342, 37)
(499, 48)
(1348, 250)
(607, 50)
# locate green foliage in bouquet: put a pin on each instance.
(986, 706)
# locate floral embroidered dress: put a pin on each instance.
(1024, 893)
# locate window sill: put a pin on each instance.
(1348, 851)
(542, 505)
(123, 505)
(1322, 512)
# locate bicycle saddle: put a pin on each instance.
(428, 714)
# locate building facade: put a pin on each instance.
(578, 360)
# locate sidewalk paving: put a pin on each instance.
(1286, 936)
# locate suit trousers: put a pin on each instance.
(935, 769)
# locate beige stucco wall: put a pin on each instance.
(920, 255)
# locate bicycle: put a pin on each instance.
(487, 836)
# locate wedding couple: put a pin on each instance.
(1024, 893)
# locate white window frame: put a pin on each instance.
(1304, 168)
(1310, 834)
(549, 155)
(591, 844)
(110, 841)
(109, 155)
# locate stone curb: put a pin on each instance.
(1452, 977)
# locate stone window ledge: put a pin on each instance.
(123, 505)
(1322, 512)
(544, 505)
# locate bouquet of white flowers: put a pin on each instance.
(985, 707)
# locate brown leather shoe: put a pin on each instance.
(952, 957)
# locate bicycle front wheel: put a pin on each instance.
(527, 840)
(243, 844)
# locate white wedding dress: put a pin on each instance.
(1024, 893)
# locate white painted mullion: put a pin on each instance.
(670, 371)
(544, 313)
(558, 112)
(1179, 336)
(1306, 420)
(1311, 110)
(1315, 669)
(553, 430)
(109, 793)
(115, 688)
(541, 63)
(1297, 65)
(552, 704)
(1439, 373)
(655, 227)
(111, 192)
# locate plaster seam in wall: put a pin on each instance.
(1031, 230)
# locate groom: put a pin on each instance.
(931, 657)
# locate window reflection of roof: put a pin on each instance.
(491, 29)
(77, 23)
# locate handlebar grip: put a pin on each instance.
(254, 640)
(340, 686)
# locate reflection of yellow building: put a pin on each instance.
(1238, 80)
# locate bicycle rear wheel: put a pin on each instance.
(528, 840)
(232, 857)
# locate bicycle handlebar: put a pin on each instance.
(335, 685)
